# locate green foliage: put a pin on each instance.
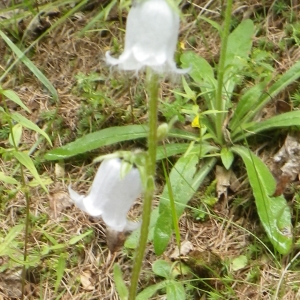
(173, 288)
(120, 284)
(274, 212)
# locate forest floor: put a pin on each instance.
(69, 48)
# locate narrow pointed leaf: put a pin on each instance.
(109, 136)
(290, 76)
(30, 125)
(283, 120)
(15, 98)
(30, 65)
(27, 162)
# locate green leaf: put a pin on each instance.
(15, 98)
(274, 213)
(227, 157)
(185, 180)
(212, 23)
(120, 284)
(239, 262)
(175, 291)
(26, 161)
(98, 139)
(245, 105)
(10, 237)
(30, 65)
(133, 240)
(109, 136)
(149, 291)
(60, 269)
(77, 238)
(288, 119)
(8, 179)
(290, 76)
(238, 50)
(202, 73)
(15, 138)
(201, 69)
(30, 125)
(168, 150)
(162, 268)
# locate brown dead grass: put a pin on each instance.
(61, 55)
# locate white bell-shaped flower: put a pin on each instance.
(111, 195)
(151, 37)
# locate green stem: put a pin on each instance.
(220, 102)
(152, 87)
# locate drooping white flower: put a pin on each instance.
(151, 37)
(111, 195)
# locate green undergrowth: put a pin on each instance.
(216, 116)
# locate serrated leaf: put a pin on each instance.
(27, 162)
(30, 125)
(227, 157)
(274, 213)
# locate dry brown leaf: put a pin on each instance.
(59, 201)
(60, 170)
(86, 280)
(223, 181)
(185, 248)
(288, 157)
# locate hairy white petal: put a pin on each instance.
(151, 37)
(111, 196)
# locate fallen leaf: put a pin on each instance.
(223, 181)
(288, 157)
(58, 201)
(185, 248)
(86, 281)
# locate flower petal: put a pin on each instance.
(111, 195)
(151, 37)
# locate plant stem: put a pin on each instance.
(152, 87)
(220, 102)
